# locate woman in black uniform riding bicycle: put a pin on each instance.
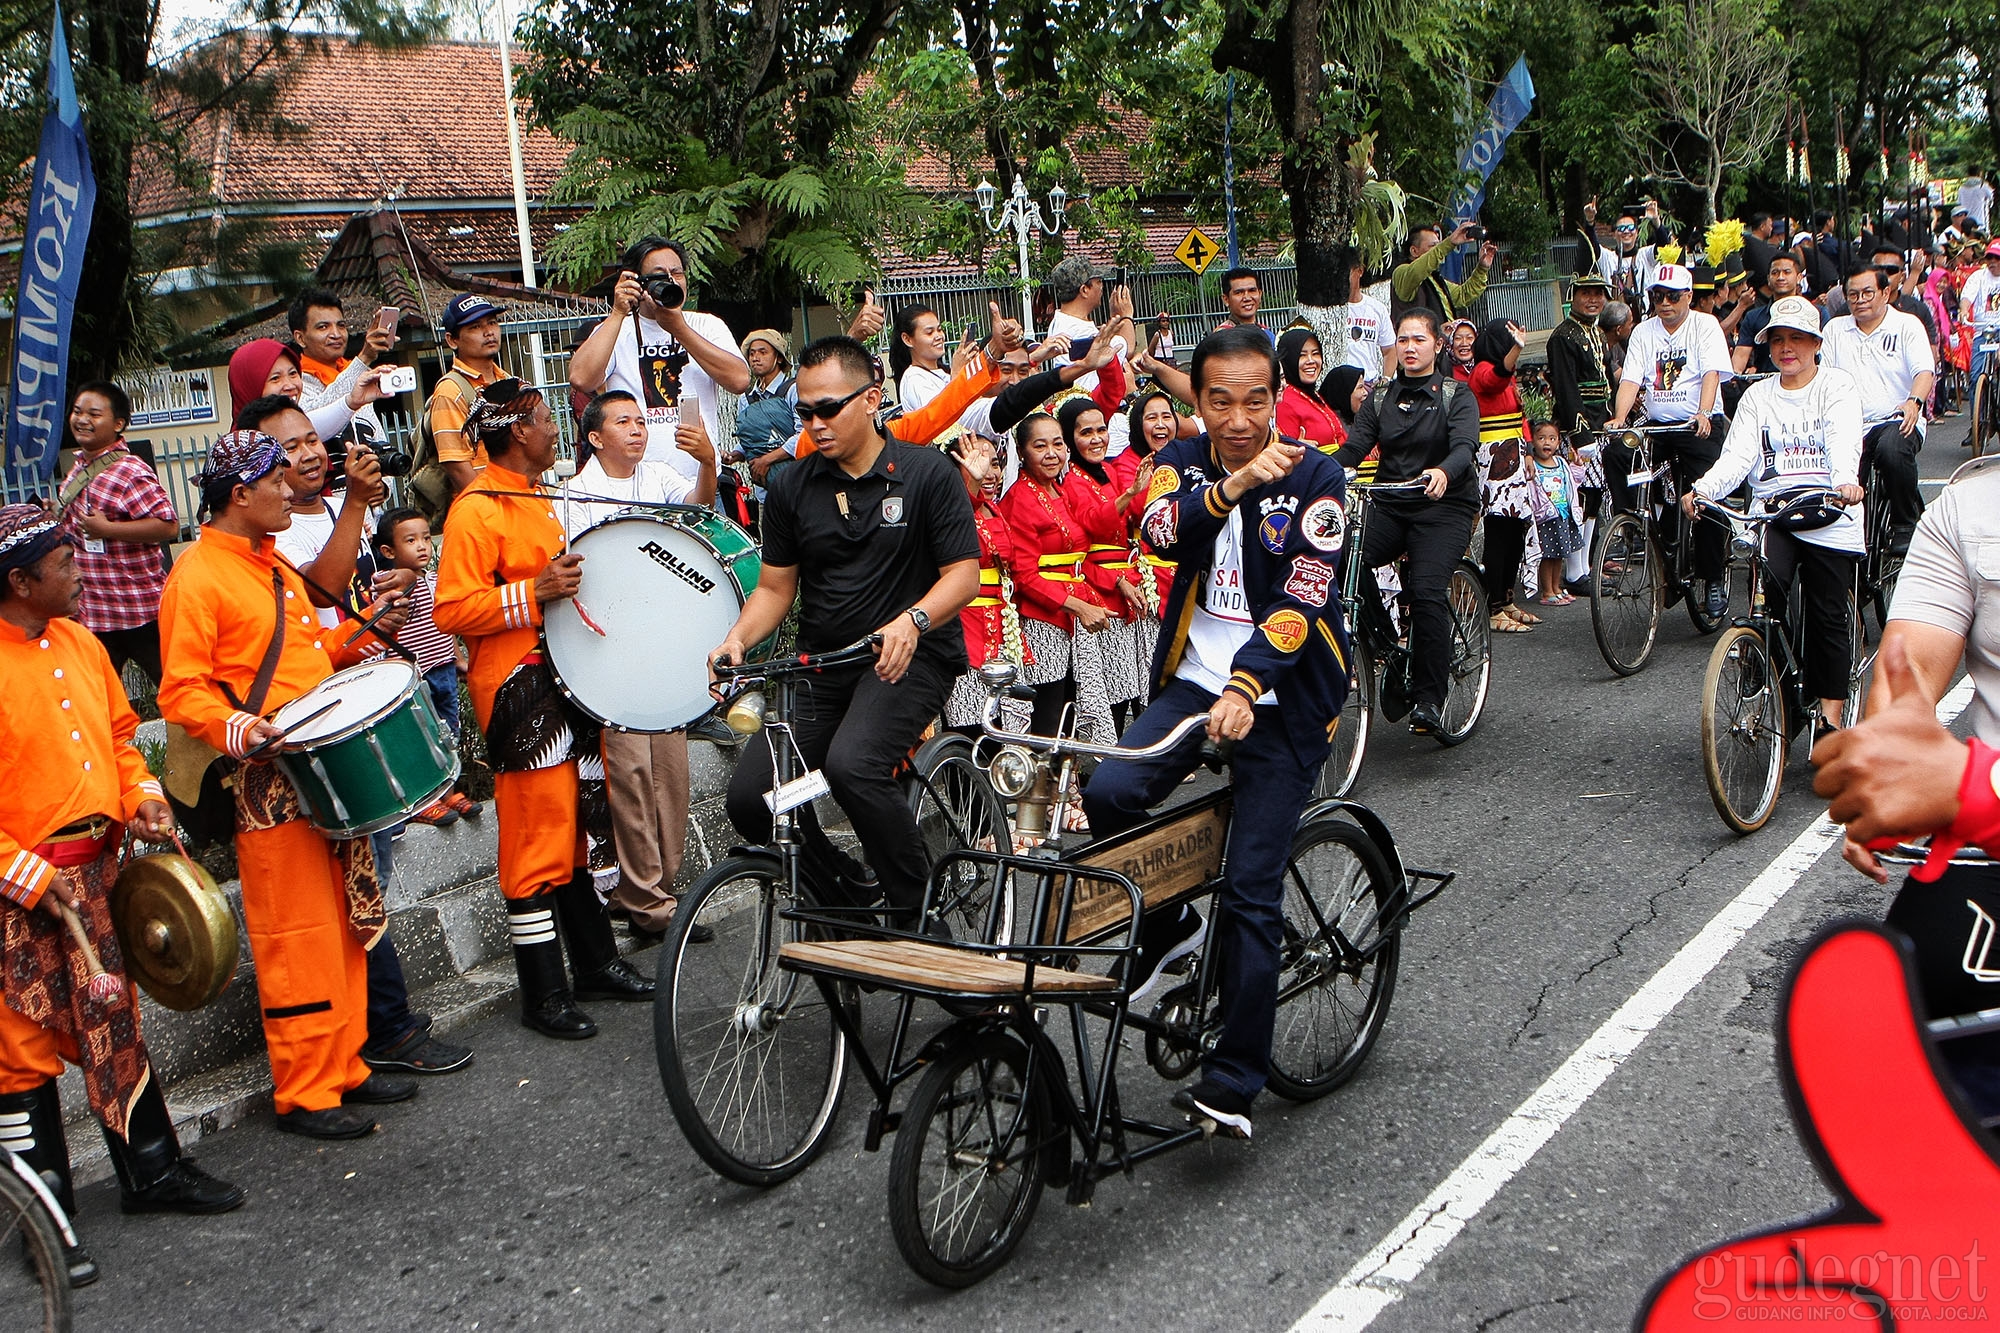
(1426, 425)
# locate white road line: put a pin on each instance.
(1380, 1278)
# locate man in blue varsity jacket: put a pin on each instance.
(1253, 636)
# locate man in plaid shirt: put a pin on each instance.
(117, 514)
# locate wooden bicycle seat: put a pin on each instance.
(932, 967)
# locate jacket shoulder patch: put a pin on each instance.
(1286, 630)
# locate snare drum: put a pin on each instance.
(365, 749)
(659, 592)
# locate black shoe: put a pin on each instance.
(1718, 599)
(1207, 1100)
(1577, 587)
(714, 730)
(82, 1268)
(1426, 720)
(380, 1089)
(557, 1016)
(335, 1122)
(421, 1054)
(616, 980)
(186, 1188)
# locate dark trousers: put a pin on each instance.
(1894, 455)
(1506, 543)
(140, 644)
(1691, 456)
(1434, 534)
(855, 729)
(1825, 580)
(1272, 774)
(390, 1022)
(442, 681)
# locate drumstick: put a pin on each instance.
(368, 625)
(104, 988)
(313, 716)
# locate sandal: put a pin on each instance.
(1525, 617)
(1506, 624)
(1560, 599)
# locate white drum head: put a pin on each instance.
(358, 696)
(631, 647)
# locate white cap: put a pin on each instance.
(1791, 312)
(1673, 277)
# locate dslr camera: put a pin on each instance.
(1475, 232)
(395, 462)
(663, 291)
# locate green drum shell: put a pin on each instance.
(737, 550)
(375, 774)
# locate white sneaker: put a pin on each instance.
(1156, 979)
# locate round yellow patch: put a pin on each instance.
(1286, 630)
(1165, 482)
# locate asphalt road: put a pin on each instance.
(547, 1187)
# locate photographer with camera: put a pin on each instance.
(319, 341)
(659, 352)
(1417, 286)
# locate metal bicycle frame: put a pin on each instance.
(1786, 649)
(1367, 615)
(1647, 507)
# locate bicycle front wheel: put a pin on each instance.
(1982, 412)
(34, 1291)
(1336, 966)
(958, 810)
(969, 1162)
(750, 1056)
(1742, 729)
(1350, 739)
(1626, 594)
(1471, 654)
(1860, 665)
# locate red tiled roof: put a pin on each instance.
(425, 123)
(462, 238)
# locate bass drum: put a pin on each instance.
(658, 594)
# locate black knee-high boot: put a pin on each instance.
(153, 1177)
(546, 1003)
(31, 1127)
(593, 950)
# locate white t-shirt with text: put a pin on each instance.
(1982, 297)
(1669, 366)
(1885, 364)
(1369, 336)
(1787, 439)
(1221, 623)
(654, 367)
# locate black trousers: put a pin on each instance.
(140, 644)
(1434, 534)
(855, 729)
(1825, 580)
(1690, 456)
(1888, 450)
(1506, 543)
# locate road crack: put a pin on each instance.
(1512, 1310)
(1534, 1012)
(1652, 912)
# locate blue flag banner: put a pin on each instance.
(58, 224)
(1511, 103)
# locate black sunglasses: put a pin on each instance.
(1660, 294)
(829, 408)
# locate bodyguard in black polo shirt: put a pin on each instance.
(1427, 426)
(878, 536)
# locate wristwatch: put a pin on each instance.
(918, 618)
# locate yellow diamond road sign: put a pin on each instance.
(1197, 250)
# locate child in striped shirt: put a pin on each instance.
(403, 540)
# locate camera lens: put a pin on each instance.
(395, 462)
(664, 291)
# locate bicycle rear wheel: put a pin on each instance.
(1471, 655)
(969, 1162)
(34, 1289)
(750, 1056)
(1742, 729)
(1982, 413)
(956, 810)
(1350, 739)
(1625, 594)
(1861, 664)
(1336, 967)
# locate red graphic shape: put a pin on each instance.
(1915, 1239)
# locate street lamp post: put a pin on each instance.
(1024, 215)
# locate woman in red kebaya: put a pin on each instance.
(992, 625)
(1107, 563)
(1302, 414)
(1053, 522)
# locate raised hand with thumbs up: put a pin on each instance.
(1007, 333)
(868, 319)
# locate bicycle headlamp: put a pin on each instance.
(1631, 439)
(1012, 770)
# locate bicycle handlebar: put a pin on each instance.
(1413, 483)
(798, 665)
(1811, 499)
(1072, 746)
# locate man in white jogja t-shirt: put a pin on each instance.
(660, 353)
(1979, 306)
(1078, 286)
(1675, 362)
(1371, 338)
(1888, 353)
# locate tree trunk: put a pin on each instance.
(114, 44)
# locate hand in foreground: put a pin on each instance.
(1895, 775)
(62, 892)
(367, 389)
(560, 579)
(729, 653)
(1231, 717)
(1277, 459)
(1702, 424)
(868, 319)
(898, 646)
(1436, 483)
(364, 474)
(691, 438)
(1007, 333)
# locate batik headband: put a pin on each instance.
(490, 414)
(27, 534)
(244, 456)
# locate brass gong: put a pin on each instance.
(175, 929)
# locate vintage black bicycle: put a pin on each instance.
(1753, 698)
(1631, 582)
(752, 1062)
(997, 1113)
(34, 1279)
(1379, 658)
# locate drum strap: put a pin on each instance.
(267, 668)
